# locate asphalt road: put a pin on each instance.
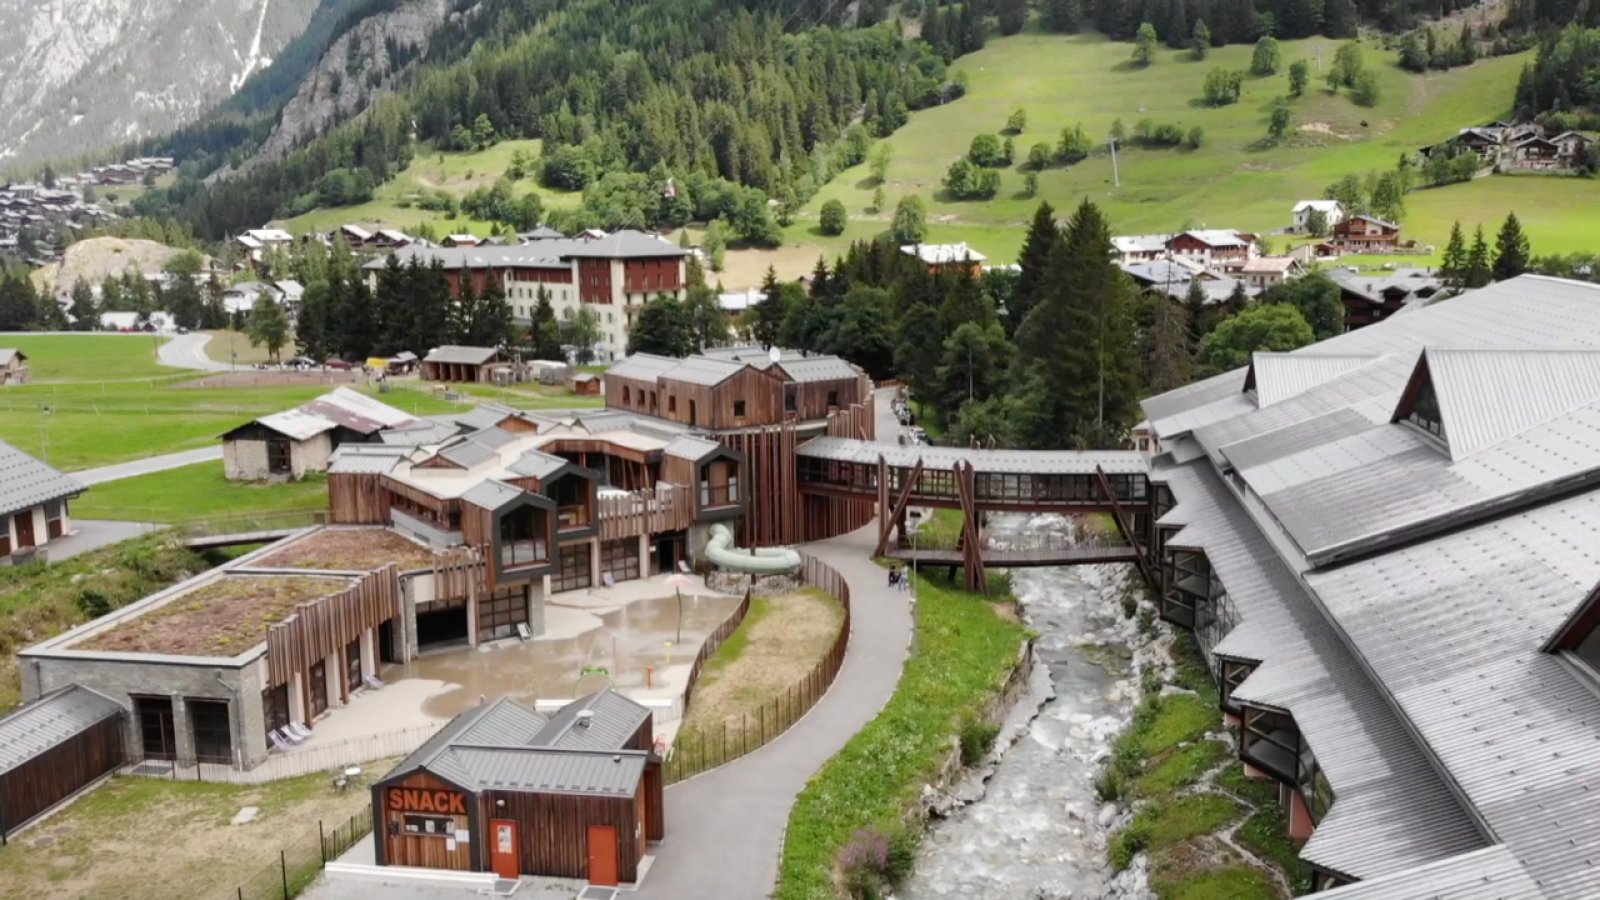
(146, 466)
(188, 351)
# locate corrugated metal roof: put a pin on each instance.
(37, 726)
(468, 454)
(1492, 873)
(1279, 376)
(7, 354)
(357, 411)
(615, 720)
(1294, 438)
(1036, 462)
(26, 482)
(535, 464)
(492, 437)
(819, 368)
(1488, 395)
(691, 448)
(346, 462)
(642, 366)
(485, 415)
(1454, 627)
(491, 494)
(469, 356)
(609, 773)
(703, 370)
(505, 722)
(425, 432)
(1391, 811)
(297, 424)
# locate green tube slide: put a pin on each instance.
(760, 561)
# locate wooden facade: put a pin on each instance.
(553, 831)
(324, 627)
(36, 785)
(405, 817)
(357, 498)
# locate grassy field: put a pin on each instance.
(457, 173)
(189, 492)
(225, 343)
(530, 396)
(101, 847)
(1236, 179)
(88, 425)
(90, 357)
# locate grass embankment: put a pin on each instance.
(100, 848)
(776, 646)
(91, 357)
(39, 602)
(1190, 800)
(234, 346)
(81, 426)
(967, 649)
(198, 491)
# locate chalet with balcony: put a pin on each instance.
(1363, 234)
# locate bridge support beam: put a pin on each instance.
(892, 517)
(1126, 526)
(971, 530)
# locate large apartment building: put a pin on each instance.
(614, 274)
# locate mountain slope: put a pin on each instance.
(81, 74)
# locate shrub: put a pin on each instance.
(1130, 840)
(902, 857)
(976, 740)
(986, 151)
(1039, 156)
(864, 862)
(92, 603)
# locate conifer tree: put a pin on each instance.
(1200, 44)
(1043, 234)
(1478, 270)
(1453, 268)
(1512, 253)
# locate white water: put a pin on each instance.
(1034, 835)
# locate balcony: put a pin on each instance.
(523, 554)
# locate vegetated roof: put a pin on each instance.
(819, 368)
(349, 549)
(43, 723)
(224, 616)
(469, 356)
(1036, 462)
(642, 366)
(26, 482)
(691, 448)
(1391, 811)
(1492, 873)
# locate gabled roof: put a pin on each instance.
(642, 367)
(358, 412)
(26, 482)
(424, 432)
(295, 423)
(366, 459)
(1216, 238)
(1269, 265)
(40, 724)
(615, 718)
(691, 448)
(1323, 205)
(1488, 395)
(492, 494)
(819, 368)
(1374, 220)
(1275, 377)
(492, 437)
(471, 356)
(939, 254)
(1140, 243)
(8, 354)
(535, 464)
(468, 454)
(703, 370)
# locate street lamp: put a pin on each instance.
(44, 437)
(914, 526)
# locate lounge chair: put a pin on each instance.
(298, 730)
(288, 736)
(609, 581)
(373, 682)
(278, 741)
(523, 632)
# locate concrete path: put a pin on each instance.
(146, 466)
(725, 828)
(188, 351)
(92, 534)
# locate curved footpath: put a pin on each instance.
(725, 828)
(188, 351)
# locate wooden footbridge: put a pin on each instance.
(978, 481)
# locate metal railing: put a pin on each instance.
(299, 863)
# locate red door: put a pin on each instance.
(503, 848)
(24, 522)
(602, 855)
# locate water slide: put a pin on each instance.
(760, 561)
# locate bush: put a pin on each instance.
(1132, 839)
(977, 738)
(902, 858)
(834, 218)
(864, 863)
(986, 151)
(92, 603)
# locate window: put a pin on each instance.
(833, 398)
(352, 663)
(1425, 411)
(627, 395)
(430, 826)
(693, 413)
(574, 571)
(522, 538)
(213, 742)
(672, 403)
(738, 409)
(278, 456)
(620, 558)
(319, 688)
(789, 401)
(275, 707)
(653, 405)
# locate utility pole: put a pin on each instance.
(1116, 178)
(44, 435)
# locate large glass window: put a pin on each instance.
(213, 742)
(574, 571)
(522, 538)
(571, 495)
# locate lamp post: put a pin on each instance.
(916, 615)
(44, 436)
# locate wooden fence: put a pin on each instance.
(707, 748)
(712, 642)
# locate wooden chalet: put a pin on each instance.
(14, 367)
(467, 364)
(505, 789)
(1364, 234)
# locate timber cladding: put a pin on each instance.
(553, 831)
(35, 785)
(357, 498)
(421, 818)
(325, 626)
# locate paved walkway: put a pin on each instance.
(146, 466)
(725, 828)
(92, 534)
(188, 351)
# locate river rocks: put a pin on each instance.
(1108, 815)
(1132, 883)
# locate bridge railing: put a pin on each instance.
(1081, 538)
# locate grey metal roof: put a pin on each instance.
(608, 773)
(1492, 873)
(468, 454)
(485, 415)
(7, 354)
(1488, 395)
(691, 448)
(1279, 376)
(703, 370)
(1036, 462)
(424, 432)
(536, 464)
(471, 356)
(1391, 811)
(492, 437)
(37, 726)
(615, 720)
(491, 494)
(642, 366)
(504, 722)
(366, 459)
(1454, 627)
(26, 482)
(626, 244)
(1371, 288)
(819, 368)
(1292, 439)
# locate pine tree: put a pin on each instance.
(1144, 45)
(311, 332)
(1201, 43)
(1453, 268)
(770, 312)
(1512, 253)
(1478, 271)
(1043, 235)
(84, 315)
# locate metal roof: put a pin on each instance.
(1292, 439)
(691, 448)
(468, 454)
(7, 354)
(486, 415)
(297, 424)
(470, 356)
(491, 494)
(615, 720)
(536, 464)
(819, 368)
(424, 432)
(1279, 376)
(1488, 395)
(1036, 462)
(493, 437)
(26, 482)
(357, 412)
(938, 254)
(504, 722)
(1454, 627)
(1492, 873)
(642, 366)
(612, 773)
(359, 459)
(40, 724)
(703, 370)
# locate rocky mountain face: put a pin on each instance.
(357, 68)
(76, 75)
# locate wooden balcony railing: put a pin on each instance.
(669, 507)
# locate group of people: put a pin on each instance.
(899, 580)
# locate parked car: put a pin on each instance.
(300, 362)
(337, 364)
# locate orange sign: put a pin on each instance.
(411, 800)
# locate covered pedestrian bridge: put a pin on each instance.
(980, 481)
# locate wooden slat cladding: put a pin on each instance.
(325, 626)
(459, 573)
(38, 784)
(429, 851)
(812, 397)
(670, 507)
(554, 831)
(773, 518)
(421, 498)
(357, 499)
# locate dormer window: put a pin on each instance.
(1425, 412)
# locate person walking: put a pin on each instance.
(894, 577)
